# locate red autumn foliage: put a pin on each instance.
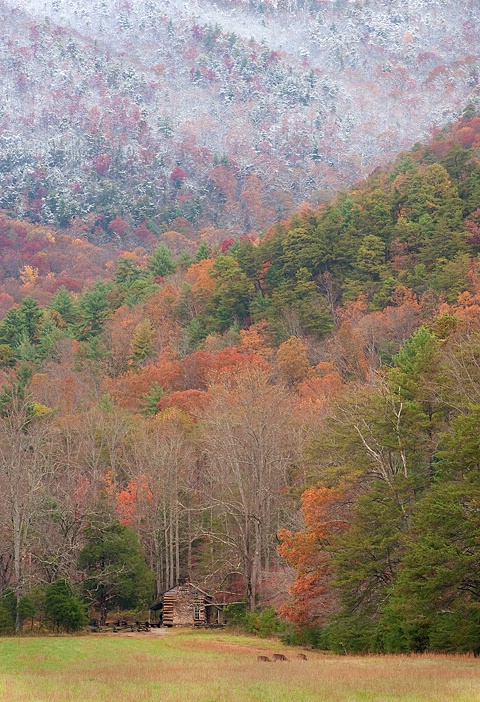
(178, 175)
(6, 302)
(118, 226)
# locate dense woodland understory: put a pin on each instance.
(298, 408)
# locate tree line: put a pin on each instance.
(388, 557)
(122, 506)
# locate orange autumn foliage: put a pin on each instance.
(255, 340)
(355, 309)
(230, 361)
(120, 329)
(467, 309)
(188, 401)
(129, 497)
(160, 309)
(200, 367)
(129, 389)
(356, 346)
(202, 284)
(317, 390)
(59, 388)
(308, 551)
(292, 360)
(178, 242)
(467, 306)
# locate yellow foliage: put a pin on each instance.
(40, 410)
(175, 417)
(108, 481)
(28, 274)
(292, 360)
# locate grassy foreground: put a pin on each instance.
(191, 666)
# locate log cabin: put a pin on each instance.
(188, 605)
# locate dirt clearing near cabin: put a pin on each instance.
(212, 666)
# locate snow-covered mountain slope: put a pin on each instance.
(226, 113)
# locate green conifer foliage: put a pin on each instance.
(152, 398)
(436, 600)
(370, 260)
(94, 310)
(62, 608)
(12, 327)
(115, 573)
(32, 314)
(233, 293)
(202, 252)
(161, 261)
(64, 304)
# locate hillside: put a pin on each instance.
(412, 226)
(226, 115)
(290, 418)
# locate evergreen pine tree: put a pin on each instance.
(115, 573)
(12, 328)
(64, 304)
(152, 398)
(93, 311)
(161, 262)
(202, 252)
(62, 608)
(32, 314)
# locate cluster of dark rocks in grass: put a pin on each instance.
(121, 625)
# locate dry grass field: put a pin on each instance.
(190, 666)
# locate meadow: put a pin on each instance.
(212, 666)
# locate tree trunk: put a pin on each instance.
(103, 610)
(17, 537)
(166, 555)
(171, 549)
(189, 547)
(177, 544)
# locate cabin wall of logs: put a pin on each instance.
(182, 606)
(188, 605)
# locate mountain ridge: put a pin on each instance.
(150, 89)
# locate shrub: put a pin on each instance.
(236, 614)
(7, 622)
(62, 608)
(26, 608)
(8, 609)
(265, 623)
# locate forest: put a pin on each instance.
(228, 115)
(289, 417)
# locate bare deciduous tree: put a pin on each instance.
(26, 451)
(251, 440)
(162, 467)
